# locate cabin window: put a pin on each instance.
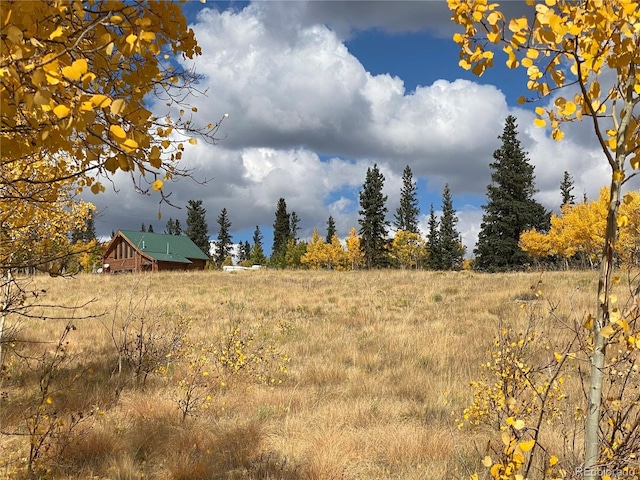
(120, 250)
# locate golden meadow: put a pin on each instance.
(349, 375)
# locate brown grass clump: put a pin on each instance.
(379, 372)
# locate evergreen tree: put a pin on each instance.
(331, 230)
(177, 228)
(245, 251)
(406, 217)
(510, 209)
(224, 244)
(450, 248)
(87, 232)
(294, 226)
(197, 228)
(373, 225)
(433, 242)
(150, 229)
(170, 227)
(257, 256)
(143, 228)
(566, 186)
(281, 234)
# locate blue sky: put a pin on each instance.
(318, 91)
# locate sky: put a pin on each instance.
(319, 91)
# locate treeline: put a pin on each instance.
(516, 231)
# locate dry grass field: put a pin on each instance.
(378, 372)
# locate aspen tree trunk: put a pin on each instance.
(592, 427)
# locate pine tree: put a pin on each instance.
(143, 228)
(197, 228)
(294, 226)
(566, 186)
(224, 244)
(170, 227)
(245, 251)
(331, 229)
(510, 209)
(281, 234)
(87, 232)
(450, 248)
(150, 229)
(257, 253)
(433, 242)
(406, 217)
(177, 228)
(373, 225)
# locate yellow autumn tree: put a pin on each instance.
(408, 248)
(354, 256)
(567, 48)
(77, 81)
(317, 254)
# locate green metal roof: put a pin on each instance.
(166, 248)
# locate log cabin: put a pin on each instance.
(131, 251)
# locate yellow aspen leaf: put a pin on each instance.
(519, 424)
(618, 175)
(557, 356)
(527, 62)
(76, 69)
(607, 331)
(109, 48)
(557, 134)
(118, 132)
(165, 143)
(526, 446)
(61, 111)
(588, 324)
(131, 39)
(540, 111)
(117, 106)
(623, 221)
(157, 185)
(628, 200)
(518, 24)
(635, 162)
(56, 33)
(495, 470)
(532, 53)
(148, 36)
(486, 461)
(101, 101)
(570, 108)
(115, 19)
(129, 144)
(539, 122)
(193, 141)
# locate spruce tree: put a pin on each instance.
(224, 244)
(406, 217)
(331, 230)
(87, 232)
(245, 251)
(170, 227)
(510, 209)
(433, 242)
(373, 225)
(197, 228)
(281, 234)
(566, 187)
(143, 228)
(177, 228)
(150, 229)
(257, 256)
(293, 229)
(450, 248)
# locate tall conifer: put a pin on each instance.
(224, 244)
(406, 216)
(450, 248)
(373, 224)
(510, 209)
(197, 228)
